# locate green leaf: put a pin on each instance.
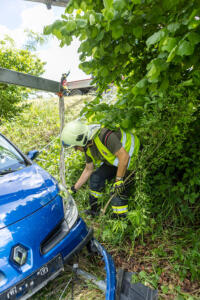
(81, 23)
(57, 33)
(83, 5)
(119, 4)
(92, 19)
(172, 54)
(84, 47)
(108, 3)
(164, 84)
(137, 31)
(68, 40)
(86, 67)
(69, 9)
(168, 44)
(94, 32)
(104, 71)
(136, 1)
(47, 29)
(194, 38)
(173, 27)
(155, 38)
(185, 48)
(142, 83)
(57, 24)
(153, 72)
(143, 274)
(71, 26)
(117, 31)
(126, 123)
(187, 82)
(164, 289)
(100, 35)
(108, 13)
(194, 24)
(127, 47)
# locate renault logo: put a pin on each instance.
(19, 255)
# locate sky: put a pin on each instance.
(18, 15)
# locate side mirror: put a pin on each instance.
(33, 154)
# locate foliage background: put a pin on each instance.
(150, 50)
(12, 98)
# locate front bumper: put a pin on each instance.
(28, 286)
(33, 283)
(80, 246)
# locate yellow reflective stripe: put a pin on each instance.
(120, 209)
(95, 194)
(115, 162)
(120, 212)
(123, 139)
(132, 145)
(121, 206)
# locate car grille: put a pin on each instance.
(55, 236)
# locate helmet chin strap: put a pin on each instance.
(89, 143)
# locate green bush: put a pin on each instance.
(11, 96)
(150, 51)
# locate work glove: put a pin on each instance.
(119, 187)
(72, 190)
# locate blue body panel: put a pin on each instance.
(23, 192)
(30, 232)
(30, 210)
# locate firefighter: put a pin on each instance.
(114, 152)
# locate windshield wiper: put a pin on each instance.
(6, 172)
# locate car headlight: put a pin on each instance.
(70, 208)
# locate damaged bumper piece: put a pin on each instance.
(117, 286)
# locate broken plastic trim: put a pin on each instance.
(108, 286)
(110, 271)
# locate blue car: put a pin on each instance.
(40, 228)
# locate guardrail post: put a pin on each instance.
(62, 122)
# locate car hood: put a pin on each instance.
(24, 192)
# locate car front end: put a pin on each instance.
(40, 228)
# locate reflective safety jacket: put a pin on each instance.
(130, 143)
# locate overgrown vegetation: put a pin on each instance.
(150, 50)
(17, 60)
(166, 259)
(154, 45)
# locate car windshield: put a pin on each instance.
(10, 158)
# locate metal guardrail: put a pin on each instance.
(26, 80)
(62, 3)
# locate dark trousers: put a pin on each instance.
(97, 182)
(98, 178)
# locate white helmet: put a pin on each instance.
(77, 133)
